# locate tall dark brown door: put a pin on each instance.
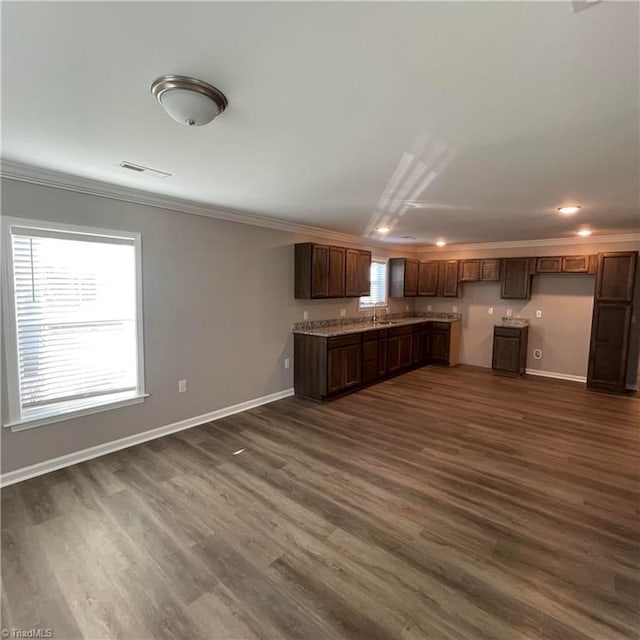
(336, 272)
(352, 274)
(320, 271)
(616, 277)
(411, 278)
(449, 279)
(428, 279)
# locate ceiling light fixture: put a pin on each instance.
(584, 233)
(187, 100)
(440, 243)
(569, 210)
(383, 230)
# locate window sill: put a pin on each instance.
(43, 419)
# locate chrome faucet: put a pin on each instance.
(375, 311)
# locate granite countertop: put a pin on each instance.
(359, 327)
(509, 321)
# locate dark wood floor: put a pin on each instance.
(441, 504)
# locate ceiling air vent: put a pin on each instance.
(147, 171)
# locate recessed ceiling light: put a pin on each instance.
(569, 210)
(383, 230)
(584, 232)
(441, 243)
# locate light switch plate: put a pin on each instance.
(454, 309)
(305, 315)
(343, 312)
(490, 311)
(287, 363)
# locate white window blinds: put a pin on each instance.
(75, 305)
(378, 293)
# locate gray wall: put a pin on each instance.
(218, 308)
(563, 332)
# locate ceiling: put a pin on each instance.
(469, 121)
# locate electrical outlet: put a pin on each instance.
(537, 354)
(539, 313)
(509, 312)
(454, 309)
(287, 363)
(490, 311)
(343, 312)
(429, 307)
(305, 315)
(406, 307)
(182, 386)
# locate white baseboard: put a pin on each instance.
(69, 459)
(552, 374)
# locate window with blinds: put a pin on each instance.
(77, 336)
(378, 285)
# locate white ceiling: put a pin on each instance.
(497, 112)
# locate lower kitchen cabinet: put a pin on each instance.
(326, 367)
(444, 342)
(510, 350)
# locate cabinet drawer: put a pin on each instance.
(369, 336)
(575, 264)
(508, 332)
(440, 326)
(344, 341)
(399, 331)
(549, 265)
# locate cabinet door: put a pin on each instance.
(336, 272)
(351, 366)
(516, 279)
(425, 345)
(440, 345)
(490, 270)
(416, 342)
(335, 370)
(575, 264)
(364, 273)
(320, 271)
(449, 279)
(609, 340)
(428, 279)
(506, 353)
(549, 265)
(393, 362)
(352, 273)
(405, 350)
(469, 270)
(410, 278)
(616, 276)
(382, 357)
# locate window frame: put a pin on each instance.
(15, 420)
(365, 306)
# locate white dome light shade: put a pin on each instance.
(187, 100)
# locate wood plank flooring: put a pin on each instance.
(445, 503)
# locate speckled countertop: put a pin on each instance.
(509, 321)
(359, 327)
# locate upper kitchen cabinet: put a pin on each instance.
(428, 278)
(448, 279)
(358, 273)
(616, 275)
(516, 278)
(438, 278)
(480, 270)
(323, 271)
(403, 278)
(565, 264)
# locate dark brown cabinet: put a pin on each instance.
(611, 362)
(323, 271)
(438, 278)
(469, 270)
(428, 278)
(575, 264)
(549, 265)
(490, 269)
(516, 278)
(399, 349)
(510, 350)
(448, 279)
(616, 276)
(403, 278)
(440, 338)
(369, 356)
(357, 273)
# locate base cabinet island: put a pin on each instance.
(333, 360)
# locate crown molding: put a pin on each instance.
(20, 172)
(544, 242)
